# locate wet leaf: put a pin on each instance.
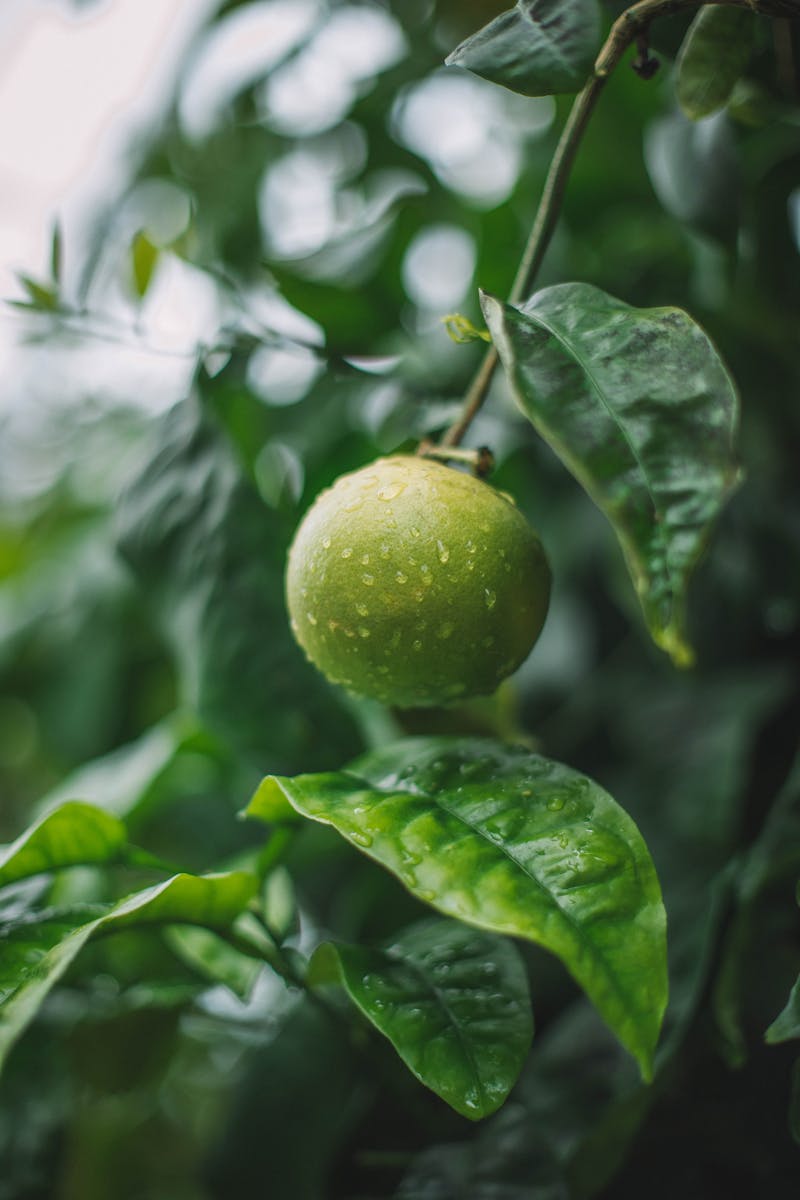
(641, 409)
(453, 1002)
(513, 843)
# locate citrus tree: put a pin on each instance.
(364, 718)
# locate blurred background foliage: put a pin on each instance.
(318, 192)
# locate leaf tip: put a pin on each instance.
(675, 645)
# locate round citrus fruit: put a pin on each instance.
(416, 583)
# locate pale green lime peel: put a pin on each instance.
(415, 583)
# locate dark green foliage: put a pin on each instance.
(336, 1000)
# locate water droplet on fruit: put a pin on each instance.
(470, 546)
(326, 543)
(367, 579)
(490, 597)
(362, 610)
(363, 632)
(365, 560)
(555, 803)
(401, 578)
(391, 490)
(416, 644)
(312, 620)
(384, 550)
(470, 564)
(414, 531)
(361, 839)
(347, 552)
(446, 630)
(444, 553)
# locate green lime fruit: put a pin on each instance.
(416, 583)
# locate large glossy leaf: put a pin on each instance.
(74, 833)
(209, 556)
(454, 1003)
(640, 408)
(713, 56)
(539, 48)
(514, 843)
(35, 951)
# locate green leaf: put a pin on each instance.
(640, 408)
(56, 253)
(453, 1002)
(144, 257)
(511, 842)
(713, 57)
(42, 297)
(271, 802)
(36, 952)
(787, 1023)
(213, 958)
(73, 834)
(280, 904)
(539, 48)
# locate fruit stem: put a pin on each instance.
(481, 460)
(626, 29)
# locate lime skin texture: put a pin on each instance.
(415, 583)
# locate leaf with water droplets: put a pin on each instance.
(641, 409)
(454, 1003)
(514, 843)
